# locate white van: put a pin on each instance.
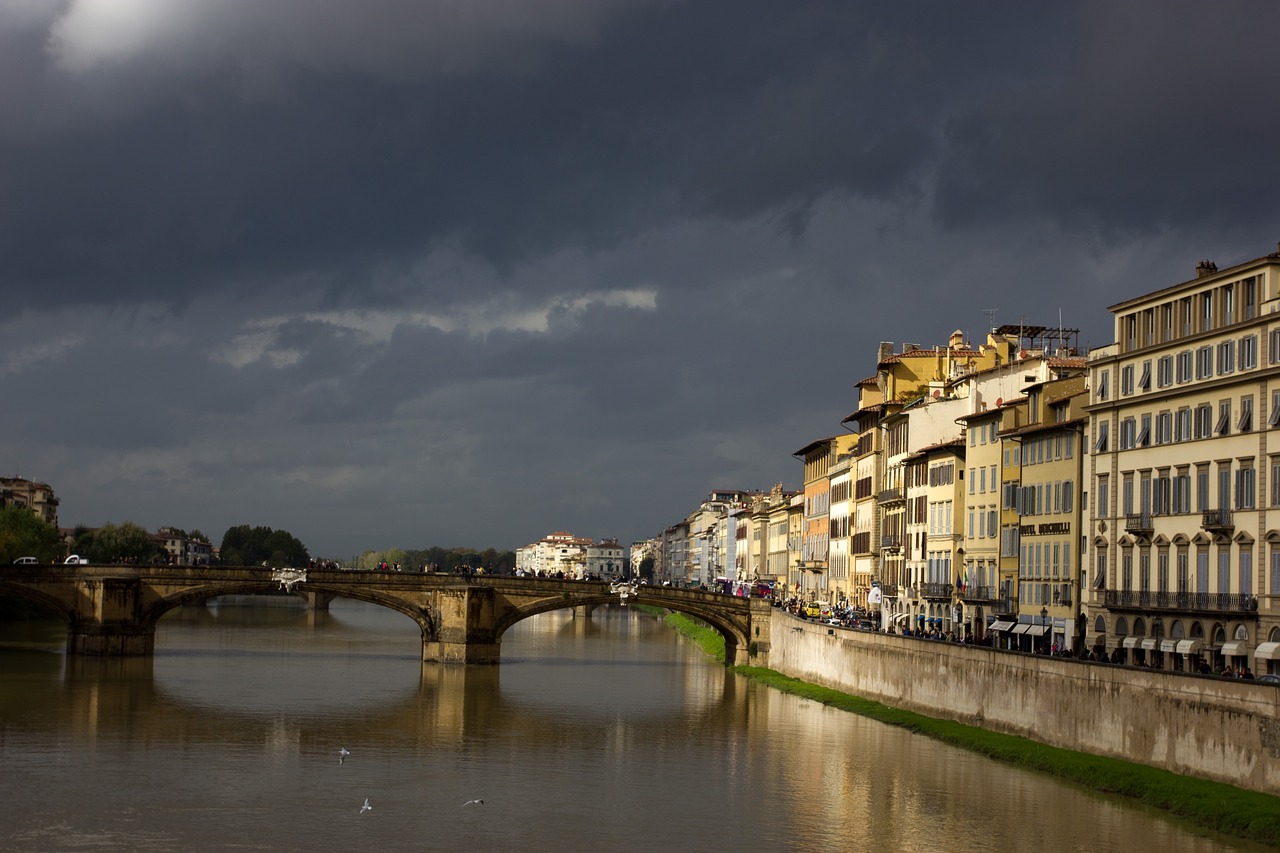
(26, 561)
(75, 560)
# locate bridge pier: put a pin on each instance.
(316, 600)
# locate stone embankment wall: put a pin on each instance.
(1214, 728)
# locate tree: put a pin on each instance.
(255, 546)
(121, 543)
(25, 534)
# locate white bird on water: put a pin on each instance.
(342, 754)
(366, 807)
(474, 803)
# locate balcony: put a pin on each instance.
(935, 590)
(978, 594)
(1204, 602)
(891, 543)
(889, 496)
(1139, 525)
(889, 590)
(1217, 521)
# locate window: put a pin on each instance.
(1100, 446)
(1161, 497)
(1182, 425)
(1204, 362)
(1104, 384)
(1104, 484)
(1246, 570)
(1204, 420)
(1274, 418)
(1224, 418)
(1126, 379)
(1184, 366)
(1246, 415)
(1202, 488)
(1164, 428)
(1275, 482)
(1164, 371)
(1144, 381)
(1226, 357)
(1228, 304)
(1144, 434)
(1206, 312)
(1246, 486)
(1181, 498)
(1128, 432)
(1274, 347)
(1249, 352)
(1250, 295)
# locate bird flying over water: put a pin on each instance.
(366, 807)
(474, 803)
(342, 754)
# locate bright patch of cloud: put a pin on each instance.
(27, 357)
(259, 341)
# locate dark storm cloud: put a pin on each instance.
(383, 272)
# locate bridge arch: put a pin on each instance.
(736, 632)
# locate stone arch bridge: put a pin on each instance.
(113, 610)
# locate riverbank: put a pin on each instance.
(1207, 805)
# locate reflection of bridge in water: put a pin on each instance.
(447, 706)
(113, 610)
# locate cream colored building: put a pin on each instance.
(1185, 434)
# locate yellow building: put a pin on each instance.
(1184, 413)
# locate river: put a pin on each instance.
(600, 733)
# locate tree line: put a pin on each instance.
(25, 534)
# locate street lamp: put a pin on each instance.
(1044, 620)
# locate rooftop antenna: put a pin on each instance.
(991, 317)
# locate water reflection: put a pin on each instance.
(229, 738)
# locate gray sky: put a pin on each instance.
(402, 273)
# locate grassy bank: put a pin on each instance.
(1212, 806)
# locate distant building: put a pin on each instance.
(38, 497)
(573, 555)
(181, 549)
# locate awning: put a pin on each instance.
(1131, 642)
(1149, 644)
(1267, 651)
(1000, 626)
(1168, 645)
(1189, 647)
(1232, 649)
(1036, 630)
(1020, 628)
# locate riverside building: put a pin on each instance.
(1185, 436)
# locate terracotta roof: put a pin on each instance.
(1043, 427)
(1064, 361)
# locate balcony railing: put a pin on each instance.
(1139, 524)
(978, 594)
(889, 496)
(1212, 602)
(1217, 519)
(935, 590)
(891, 543)
(889, 590)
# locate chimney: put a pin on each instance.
(1205, 268)
(957, 340)
(886, 351)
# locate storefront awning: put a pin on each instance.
(1149, 644)
(1020, 628)
(1267, 651)
(1232, 649)
(1131, 642)
(1189, 647)
(1036, 630)
(1168, 645)
(1000, 626)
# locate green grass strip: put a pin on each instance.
(1213, 806)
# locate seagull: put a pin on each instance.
(474, 803)
(342, 754)
(366, 807)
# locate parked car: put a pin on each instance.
(26, 561)
(1268, 679)
(75, 560)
